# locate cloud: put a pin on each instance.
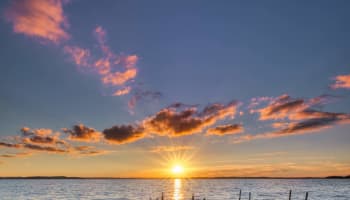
(119, 78)
(16, 155)
(79, 55)
(87, 151)
(124, 134)
(312, 114)
(43, 19)
(173, 122)
(9, 145)
(36, 147)
(285, 106)
(26, 131)
(44, 140)
(83, 133)
(258, 100)
(314, 124)
(341, 81)
(301, 127)
(52, 149)
(114, 70)
(159, 149)
(228, 129)
(123, 91)
(139, 95)
(281, 108)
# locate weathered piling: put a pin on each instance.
(192, 196)
(240, 194)
(306, 195)
(290, 194)
(250, 195)
(162, 196)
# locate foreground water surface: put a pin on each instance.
(174, 189)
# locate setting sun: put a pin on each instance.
(177, 169)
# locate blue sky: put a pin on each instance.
(197, 53)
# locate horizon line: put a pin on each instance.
(197, 177)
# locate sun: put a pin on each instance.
(177, 169)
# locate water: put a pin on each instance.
(175, 189)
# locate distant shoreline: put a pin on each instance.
(67, 177)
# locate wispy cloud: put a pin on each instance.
(285, 106)
(16, 155)
(172, 148)
(43, 19)
(114, 70)
(341, 81)
(301, 127)
(140, 94)
(228, 129)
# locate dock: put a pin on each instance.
(239, 197)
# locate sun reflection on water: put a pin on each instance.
(177, 195)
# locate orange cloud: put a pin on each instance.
(83, 133)
(39, 132)
(173, 122)
(43, 19)
(342, 81)
(228, 129)
(51, 142)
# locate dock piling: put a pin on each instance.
(240, 193)
(250, 195)
(307, 195)
(290, 194)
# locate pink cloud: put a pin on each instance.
(122, 92)
(342, 81)
(79, 55)
(119, 78)
(114, 70)
(43, 19)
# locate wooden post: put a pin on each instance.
(290, 194)
(192, 196)
(240, 193)
(162, 195)
(307, 195)
(250, 195)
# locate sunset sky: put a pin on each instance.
(132, 88)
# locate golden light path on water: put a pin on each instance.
(177, 195)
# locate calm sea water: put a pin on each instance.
(175, 189)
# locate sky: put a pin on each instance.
(132, 88)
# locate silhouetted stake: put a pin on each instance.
(192, 196)
(290, 194)
(162, 195)
(240, 193)
(307, 195)
(250, 195)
